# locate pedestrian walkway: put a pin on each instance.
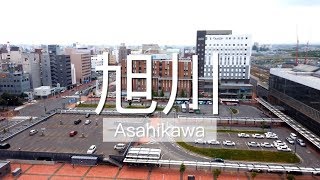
(67, 171)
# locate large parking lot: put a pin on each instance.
(55, 137)
(309, 156)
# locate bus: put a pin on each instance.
(144, 153)
(229, 102)
(183, 108)
(182, 100)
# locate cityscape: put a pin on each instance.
(215, 101)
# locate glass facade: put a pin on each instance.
(299, 92)
(299, 101)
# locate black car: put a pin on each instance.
(76, 122)
(217, 160)
(4, 146)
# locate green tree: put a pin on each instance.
(290, 177)
(253, 175)
(182, 170)
(216, 173)
(161, 93)
(182, 94)
(154, 93)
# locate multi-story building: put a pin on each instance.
(161, 75)
(96, 60)
(122, 52)
(81, 59)
(14, 82)
(60, 67)
(45, 68)
(36, 64)
(234, 53)
(297, 91)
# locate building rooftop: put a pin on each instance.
(304, 75)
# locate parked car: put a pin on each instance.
(87, 115)
(218, 160)
(293, 135)
(271, 135)
(5, 146)
(92, 149)
(284, 148)
(76, 122)
(33, 132)
(73, 133)
(253, 144)
(301, 142)
(119, 147)
(200, 141)
(213, 142)
(290, 140)
(278, 143)
(88, 121)
(228, 143)
(258, 136)
(266, 144)
(243, 135)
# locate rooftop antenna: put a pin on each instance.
(297, 47)
(306, 52)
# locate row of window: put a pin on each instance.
(226, 44)
(226, 38)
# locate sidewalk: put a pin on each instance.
(66, 171)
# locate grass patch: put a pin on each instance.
(240, 131)
(243, 155)
(95, 105)
(114, 106)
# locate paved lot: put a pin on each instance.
(56, 136)
(310, 157)
(66, 171)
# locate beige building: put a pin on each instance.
(81, 59)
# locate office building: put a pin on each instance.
(297, 91)
(60, 66)
(14, 82)
(122, 52)
(234, 52)
(81, 59)
(161, 75)
(36, 64)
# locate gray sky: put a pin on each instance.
(171, 22)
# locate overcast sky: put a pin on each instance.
(171, 22)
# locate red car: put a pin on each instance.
(73, 133)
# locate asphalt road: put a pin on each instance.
(308, 155)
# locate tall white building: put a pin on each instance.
(234, 52)
(96, 60)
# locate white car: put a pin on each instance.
(271, 135)
(88, 121)
(253, 144)
(213, 142)
(119, 147)
(290, 140)
(266, 144)
(278, 143)
(92, 149)
(293, 135)
(301, 142)
(243, 135)
(228, 143)
(283, 148)
(200, 141)
(258, 136)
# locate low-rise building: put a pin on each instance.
(14, 82)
